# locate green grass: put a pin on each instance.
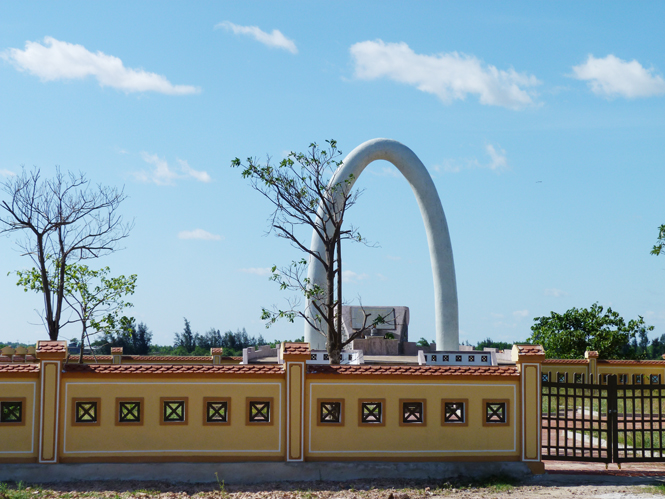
(19, 491)
(655, 489)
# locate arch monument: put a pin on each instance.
(436, 227)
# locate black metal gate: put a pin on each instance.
(607, 422)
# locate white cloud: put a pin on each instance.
(56, 60)
(201, 176)
(7, 173)
(262, 271)
(520, 314)
(275, 39)
(199, 234)
(498, 162)
(351, 276)
(160, 175)
(449, 76)
(163, 174)
(557, 293)
(611, 77)
(386, 171)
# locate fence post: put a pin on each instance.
(295, 356)
(592, 368)
(50, 354)
(529, 359)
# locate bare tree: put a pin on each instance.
(300, 190)
(62, 220)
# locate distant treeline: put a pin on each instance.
(136, 339)
(639, 348)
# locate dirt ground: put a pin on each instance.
(562, 479)
(554, 486)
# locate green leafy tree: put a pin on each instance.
(487, 342)
(302, 193)
(62, 220)
(185, 340)
(569, 335)
(96, 299)
(660, 243)
(657, 348)
(134, 340)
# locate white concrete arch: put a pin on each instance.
(436, 227)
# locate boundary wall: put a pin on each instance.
(218, 411)
(591, 369)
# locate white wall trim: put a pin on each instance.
(302, 412)
(57, 410)
(540, 421)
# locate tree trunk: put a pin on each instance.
(82, 344)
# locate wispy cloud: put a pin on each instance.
(520, 314)
(57, 60)
(163, 174)
(201, 176)
(199, 234)
(612, 77)
(386, 171)
(449, 76)
(262, 271)
(557, 293)
(498, 158)
(275, 39)
(7, 173)
(497, 162)
(351, 276)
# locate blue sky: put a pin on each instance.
(542, 125)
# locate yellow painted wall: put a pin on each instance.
(21, 442)
(428, 442)
(153, 441)
(630, 369)
(602, 368)
(553, 369)
(532, 411)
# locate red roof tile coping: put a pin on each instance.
(174, 369)
(155, 358)
(116, 350)
(75, 358)
(51, 346)
(590, 354)
(168, 358)
(377, 370)
(19, 368)
(296, 349)
(216, 351)
(633, 362)
(530, 349)
(566, 361)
